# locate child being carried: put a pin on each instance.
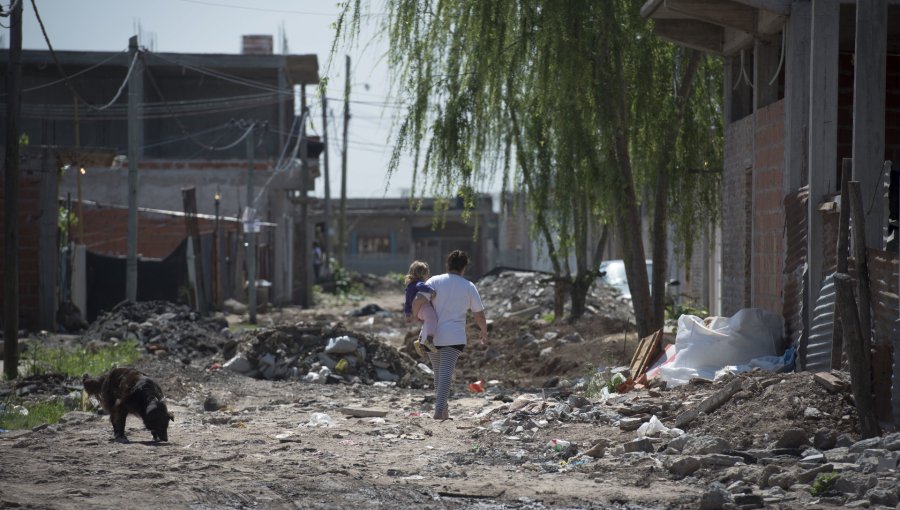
(416, 286)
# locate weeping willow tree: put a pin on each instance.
(575, 105)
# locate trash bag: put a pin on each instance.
(702, 350)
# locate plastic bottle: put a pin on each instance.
(558, 445)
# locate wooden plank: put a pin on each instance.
(822, 131)
(868, 111)
(843, 242)
(829, 381)
(698, 35)
(647, 351)
(857, 356)
(719, 12)
(363, 412)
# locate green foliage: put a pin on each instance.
(343, 280)
(24, 140)
(50, 411)
(400, 278)
(65, 218)
(76, 361)
(548, 317)
(823, 483)
(686, 307)
(572, 103)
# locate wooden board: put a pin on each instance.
(648, 350)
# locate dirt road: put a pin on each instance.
(256, 452)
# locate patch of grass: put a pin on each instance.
(823, 483)
(548, 317)
(76, 361)
(11, 418)
(242, 326)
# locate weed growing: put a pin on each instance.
(76, 361)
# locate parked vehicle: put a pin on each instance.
(615, 275)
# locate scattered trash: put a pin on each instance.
(319, 420)
(558, 444)
(655, 428)
(476, 387)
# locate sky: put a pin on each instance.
(216, 26)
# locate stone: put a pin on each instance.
(704, 445)
(825, 439)
(684, 466)
(235, 307)
(812, 413)
(715, 497)
(843, 441)
(810, 475)
(783, 480)
(792, 438)
(597, 451)
(865, 444)
(841, 454)
(766, 474)
(211, 403)
(891, 442)
(639, 445)
(884, 497)
(679, 442)
(878, 460)
(630, 424)
(855, 484)
(859, 503)
(238, 364)
(719, 460)
(577, 401)
(817, 458)
(747, 501)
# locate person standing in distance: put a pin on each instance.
(454, 297)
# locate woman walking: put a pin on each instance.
(454, 297)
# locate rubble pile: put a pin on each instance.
(762, 439)
(322, 354)
(527, 294)
(161, 326)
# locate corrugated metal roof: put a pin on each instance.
(818, 348)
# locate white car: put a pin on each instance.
(615, 275)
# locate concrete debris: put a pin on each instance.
(325, 355)
(162, 328)
(525, 294)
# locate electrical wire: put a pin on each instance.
(61, 80)
(10, 9)
(261, 9)
(187, 136)
(59, 65)
(122, 86)
(224, 76)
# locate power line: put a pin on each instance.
(261, 9)
(59, 65)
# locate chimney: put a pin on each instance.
(257, 45)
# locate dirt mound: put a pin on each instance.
(322, 353)
(768, 404)
(160, 326)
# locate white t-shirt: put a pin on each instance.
(454, 296)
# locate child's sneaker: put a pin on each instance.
(429, 343)
(419, 349)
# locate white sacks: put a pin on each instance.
(703, 350)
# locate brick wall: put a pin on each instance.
(738, 159)
(30, 214)
(106, 231)
(768, 209)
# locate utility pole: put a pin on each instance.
(326, 248)
(342, 223)
(135, 136)
(250, 226)
(11, 196)
(305, 247)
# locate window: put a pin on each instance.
(373, 244)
